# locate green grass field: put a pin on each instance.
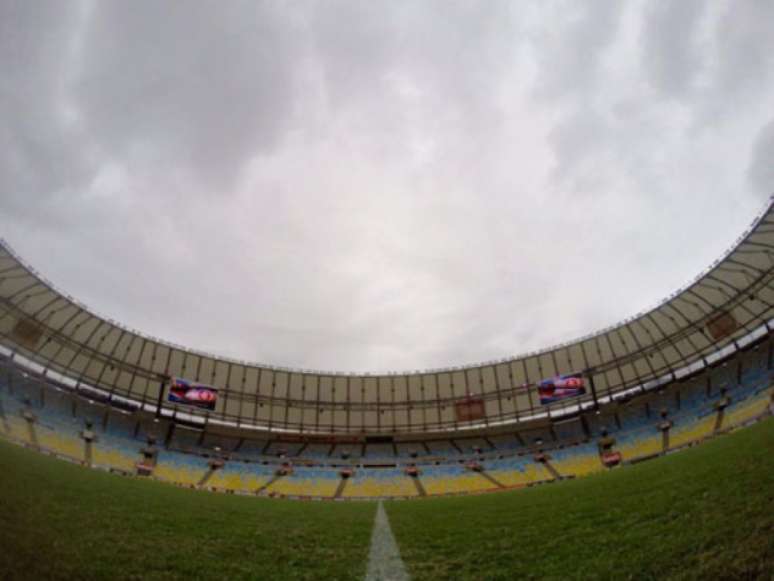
(705, 513)
(62, 521)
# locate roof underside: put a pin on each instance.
(731, 302)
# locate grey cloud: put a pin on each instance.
(571, 39)
(577, 137)
(436, 67)
(761, 169)
(372, 186)
(41, 152)
(744, 50)
(673, 54)
(198, 86)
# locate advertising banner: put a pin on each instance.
(191, 393)
(561, 387)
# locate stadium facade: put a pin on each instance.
(89, 389)
(731, 302)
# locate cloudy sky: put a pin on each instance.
(380, 185)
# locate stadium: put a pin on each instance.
(349, 290)
(83, 388)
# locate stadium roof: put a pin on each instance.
(730, 303)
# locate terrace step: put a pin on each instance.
(271, 481)
(205, 478)
(6, 424)
(492, 479)
(420, 488)
(340, 488)
(32, 434)
(554, 472)
(718, 421)
(87, 452)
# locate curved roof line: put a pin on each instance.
(472, 365)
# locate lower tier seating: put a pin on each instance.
(307, 482)
(37, 414)
(453, 479)
(381, 483)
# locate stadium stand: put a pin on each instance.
(577, 460)
(347, 451)
(518, 471)
(379, 483)
(303, 482)
(250, 449)
(317, 451)
(183, 469)
(83, 388)
(466, 465)
(453, 479)
(379, 451)
(505, 442)
(241, 477)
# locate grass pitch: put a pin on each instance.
(706, 513)
(62, 521)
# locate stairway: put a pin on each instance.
(87, 454)
(271, 481)
(205, 478)
(340, 488)
(492, 479)
(6, 425)
(33, 436)
(554, 472)
(420, 489)
(718, 421)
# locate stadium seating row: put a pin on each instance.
(40, 415)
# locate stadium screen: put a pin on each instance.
(561, 387)
(193, 394)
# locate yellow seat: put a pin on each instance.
(532, 472)
(685, 434)
(68, 445)
(747, 410)
(102, 456)
(578, 465)
(178, 474)
(472, 482)
(640, 447)
(367, 487)
(19, 428)
(300, 486)
(240, 481)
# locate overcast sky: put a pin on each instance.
(380, 185)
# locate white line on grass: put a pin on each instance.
(384, 562)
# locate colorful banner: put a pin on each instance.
(561, 387)
(190, 393)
